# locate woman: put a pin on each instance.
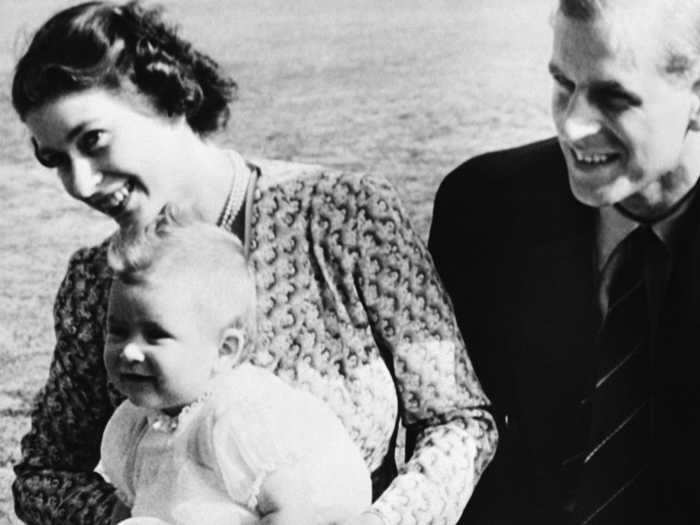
(349, 308)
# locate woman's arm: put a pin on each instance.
(443, 404)
(55, 479)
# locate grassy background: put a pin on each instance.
(404, 88)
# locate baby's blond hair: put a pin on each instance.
(177, 244)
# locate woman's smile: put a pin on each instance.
(113, 153)
(114, 202)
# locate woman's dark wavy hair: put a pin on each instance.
(101, 44)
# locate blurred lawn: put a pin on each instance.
(404, 88)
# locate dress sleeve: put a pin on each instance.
(55, 479)
(442, 402)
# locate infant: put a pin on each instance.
(204, 436)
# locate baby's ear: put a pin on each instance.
(694, 121)
(231, 347)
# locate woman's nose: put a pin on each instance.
(80, 177)
(132, 353)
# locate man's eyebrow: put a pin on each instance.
(553, 69)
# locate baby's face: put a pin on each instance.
(161, 347)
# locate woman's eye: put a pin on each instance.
(50, 160)
(92, 140)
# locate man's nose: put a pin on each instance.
(132, 353)
(581, 119)
(81, 177)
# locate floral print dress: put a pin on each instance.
(349, 308)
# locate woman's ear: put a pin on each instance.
(231, 348)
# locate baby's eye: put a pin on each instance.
(92, 140)
(116, 332)
(154, 333)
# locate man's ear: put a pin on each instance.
(231, 347)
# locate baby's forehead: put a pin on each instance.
(187, 286)
(203, 293)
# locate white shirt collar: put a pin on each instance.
(613, 227)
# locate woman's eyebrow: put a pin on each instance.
(72, 133)
(77, 130)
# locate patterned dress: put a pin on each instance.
(349, 308)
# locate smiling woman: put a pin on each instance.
(121, 156)
(349, 305)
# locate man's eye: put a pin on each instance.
(563, 82)
(92, 140)
(617, 101)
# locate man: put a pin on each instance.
(595, 386)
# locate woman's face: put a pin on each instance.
(114, 152)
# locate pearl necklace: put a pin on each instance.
(235, 198)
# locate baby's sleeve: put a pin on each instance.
(246, 447)
(118, 447)
(274, 426)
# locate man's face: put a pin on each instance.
(622, 122)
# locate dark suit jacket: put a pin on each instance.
(516, 252)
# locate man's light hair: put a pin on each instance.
(679, 18)
(179, 245)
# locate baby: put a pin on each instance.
(205, 437)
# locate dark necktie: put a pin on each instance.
(615, 483)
